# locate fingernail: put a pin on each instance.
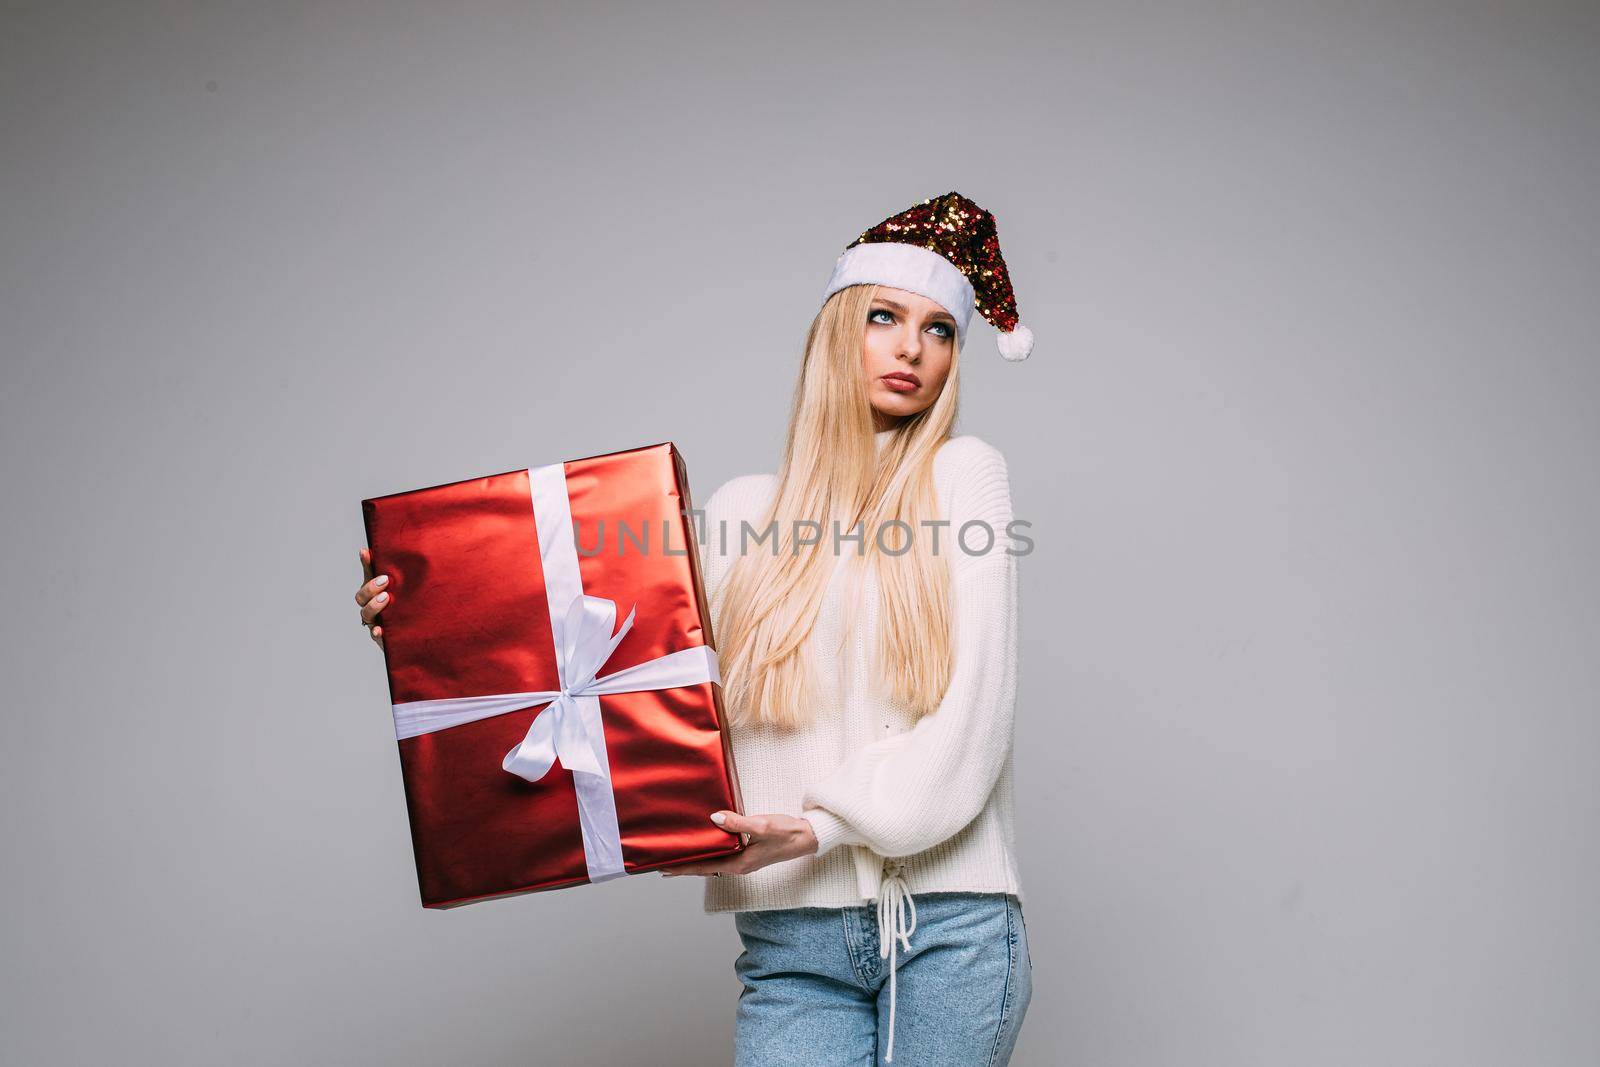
(718, 818)
(381, 597)
(382, 579)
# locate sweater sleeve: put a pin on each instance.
(906, 793)
(705, 533)
(715, 556)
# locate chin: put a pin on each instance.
(901, 410)
(893, 403)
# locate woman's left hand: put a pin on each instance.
(769, 839)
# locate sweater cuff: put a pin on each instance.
(829, 828)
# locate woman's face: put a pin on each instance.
(906, 354)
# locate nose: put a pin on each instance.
(911, 345)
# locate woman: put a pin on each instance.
(865, 603)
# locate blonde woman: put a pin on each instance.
(864, 599)
(871, 680)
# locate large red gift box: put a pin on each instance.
(539, 750)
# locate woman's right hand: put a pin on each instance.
(372, 597)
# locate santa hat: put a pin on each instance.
(946, 249)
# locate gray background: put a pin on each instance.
(1307, 710)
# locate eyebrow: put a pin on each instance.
(939, 316)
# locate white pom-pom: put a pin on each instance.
(1016, 344)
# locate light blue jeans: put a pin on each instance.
(816, 992)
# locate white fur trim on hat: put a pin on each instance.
(909, 267)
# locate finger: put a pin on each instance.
(709, 869)
(377, 635)
(369, 610)
(372, 588)
(366, 563)
(740, 824)
(702, 867)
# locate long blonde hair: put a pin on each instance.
(831, 472)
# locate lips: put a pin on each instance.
(904, 377)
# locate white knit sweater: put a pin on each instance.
(898, 808)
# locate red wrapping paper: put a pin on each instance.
(468, 616)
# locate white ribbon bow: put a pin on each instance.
(559, 729)
(571, 727)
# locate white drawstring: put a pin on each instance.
(894, 903)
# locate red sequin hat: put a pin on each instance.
(947, 249)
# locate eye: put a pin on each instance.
(944, 329)
(880, 311)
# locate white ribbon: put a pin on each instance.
(571, 727)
